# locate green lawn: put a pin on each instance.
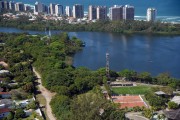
(131, 90)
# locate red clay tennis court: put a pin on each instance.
(129, 101)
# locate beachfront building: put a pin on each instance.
(19, 6)
(12, 5)
(38, 8)
(52, 8)
(78, 11)
(68, 11)
(151, 14)
(128, 12)
(6, 5)
(101, 12)
(92, 12)
(116, 12)
(59, 11)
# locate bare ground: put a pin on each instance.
(47, 95)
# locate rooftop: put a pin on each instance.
(4, 110)
(6, 101)
(173, 114)
(160, 93)
(4, 93)
(176, 99)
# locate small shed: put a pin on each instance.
(160, 93)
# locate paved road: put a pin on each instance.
(47, 95)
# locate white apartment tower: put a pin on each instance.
(68, 11)
(6, 5)
(12, 5)
(116, 12)
(151, 14)
(59, 11)
(101, 12)
(78, 11)
(19, 6)
(52, 8)
(92, 12)
(128, 12)
(38, 8)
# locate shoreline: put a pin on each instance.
(123, 33)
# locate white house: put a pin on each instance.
(4, 71)
(6, 103)
(23, 103)
(4, 112)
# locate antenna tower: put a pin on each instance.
(107, 65)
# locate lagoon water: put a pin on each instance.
(154, 54)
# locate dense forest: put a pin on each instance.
(120, 26)
(74, 87)
(79, 95)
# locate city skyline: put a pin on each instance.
(172, 19)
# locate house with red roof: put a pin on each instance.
(4, 112)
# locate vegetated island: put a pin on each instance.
(122, 26)
(78, 92)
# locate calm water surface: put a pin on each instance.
(154, 54)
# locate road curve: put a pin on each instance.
(47, 95)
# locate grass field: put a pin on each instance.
(131, 90)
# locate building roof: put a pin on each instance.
(6, 101)
(160, 93)
(173, 115)
(176, 99)
(4, 93)
(4, 110)
(4, 71)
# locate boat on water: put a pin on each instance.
(83, 44)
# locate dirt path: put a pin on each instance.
(47, 95)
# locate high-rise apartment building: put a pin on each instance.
(27, 8)
(128, 12)
(92, 12)
(52, 8)
(116, 12)
(78, 11)
(59, 11)
(12, 5)
(101, 12)
(38, 8)
(151, 14)
(68, 11)
(0, 6)
(19, 6)
(6, 5)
